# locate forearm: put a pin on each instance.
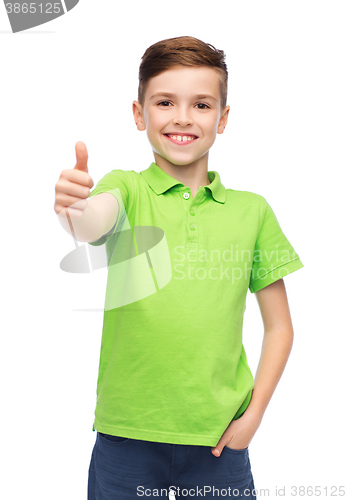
(89, 227)
(276, 348)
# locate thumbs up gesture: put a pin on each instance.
(74, 185)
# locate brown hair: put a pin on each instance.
(186, 51)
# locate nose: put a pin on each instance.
(183, 117)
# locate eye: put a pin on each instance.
(163, 103)
(203, 104)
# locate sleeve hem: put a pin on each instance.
(275, 274)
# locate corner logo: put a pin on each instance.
(24, 15)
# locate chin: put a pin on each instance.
(180, 162)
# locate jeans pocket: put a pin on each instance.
(238, 461)
(113, 439)
(242, 450)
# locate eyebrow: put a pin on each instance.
(168, 94)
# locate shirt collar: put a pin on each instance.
(161, 181)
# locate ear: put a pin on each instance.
(138, 115)
(223, 120)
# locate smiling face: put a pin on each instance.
(182, 115)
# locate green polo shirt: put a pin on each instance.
(173, 368)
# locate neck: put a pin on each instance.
(192, 175)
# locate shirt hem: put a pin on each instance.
(158, 436)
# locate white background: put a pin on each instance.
(75, 79)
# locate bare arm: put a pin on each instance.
(99, 216)
(277, 344)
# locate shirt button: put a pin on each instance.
(192, 227)
(186, 196)
(192, 212)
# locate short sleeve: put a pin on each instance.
(274, 257)
(117, 183)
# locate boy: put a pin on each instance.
(177, 405)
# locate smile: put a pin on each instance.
(181, 140)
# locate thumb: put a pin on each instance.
(81, 156)
(217, 450)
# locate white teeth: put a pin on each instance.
(180, 138)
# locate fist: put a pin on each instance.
(74, 185)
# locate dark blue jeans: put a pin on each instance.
(130, 469)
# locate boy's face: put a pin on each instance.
(193, 110)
